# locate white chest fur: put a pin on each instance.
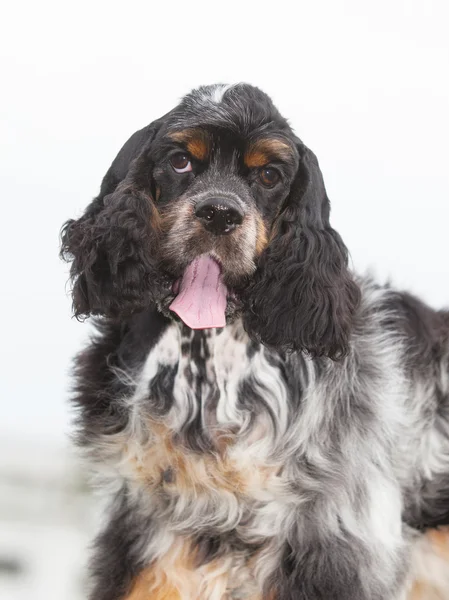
(206, 452)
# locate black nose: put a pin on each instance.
(219, 215)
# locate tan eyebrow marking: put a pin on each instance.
(264, 150)
(196, 140)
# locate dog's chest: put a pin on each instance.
(211, 410)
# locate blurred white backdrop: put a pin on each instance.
(365, 85)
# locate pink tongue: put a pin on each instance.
(201, 301)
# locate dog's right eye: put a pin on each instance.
(181, 162)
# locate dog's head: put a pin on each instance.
(214, 210)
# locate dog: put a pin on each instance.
(267, 425)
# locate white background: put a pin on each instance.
(365, 85)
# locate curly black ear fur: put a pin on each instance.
(303, 296)
(113, 246)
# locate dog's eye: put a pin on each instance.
(181, 162)
(269, 177)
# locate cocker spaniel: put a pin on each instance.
(267, 424)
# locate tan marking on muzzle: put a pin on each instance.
(155, 219)
(179, 210)
(266, 150)
(262, 237)
(196, 141)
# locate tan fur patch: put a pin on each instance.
(190, 472)
(265, 150)
(155, 219)
(145, 588)
(439, 538)
(196, 141)
(255, 159)
(431, 567)
(262, 237)
(174, 576)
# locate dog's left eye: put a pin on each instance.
(181, 162)
(269, 177)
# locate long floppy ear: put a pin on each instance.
(303, 296)
(112, 246)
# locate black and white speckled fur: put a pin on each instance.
(292, 477)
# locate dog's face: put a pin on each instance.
(218, 193)
(217, 209)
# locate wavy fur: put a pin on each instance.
(234, 469)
